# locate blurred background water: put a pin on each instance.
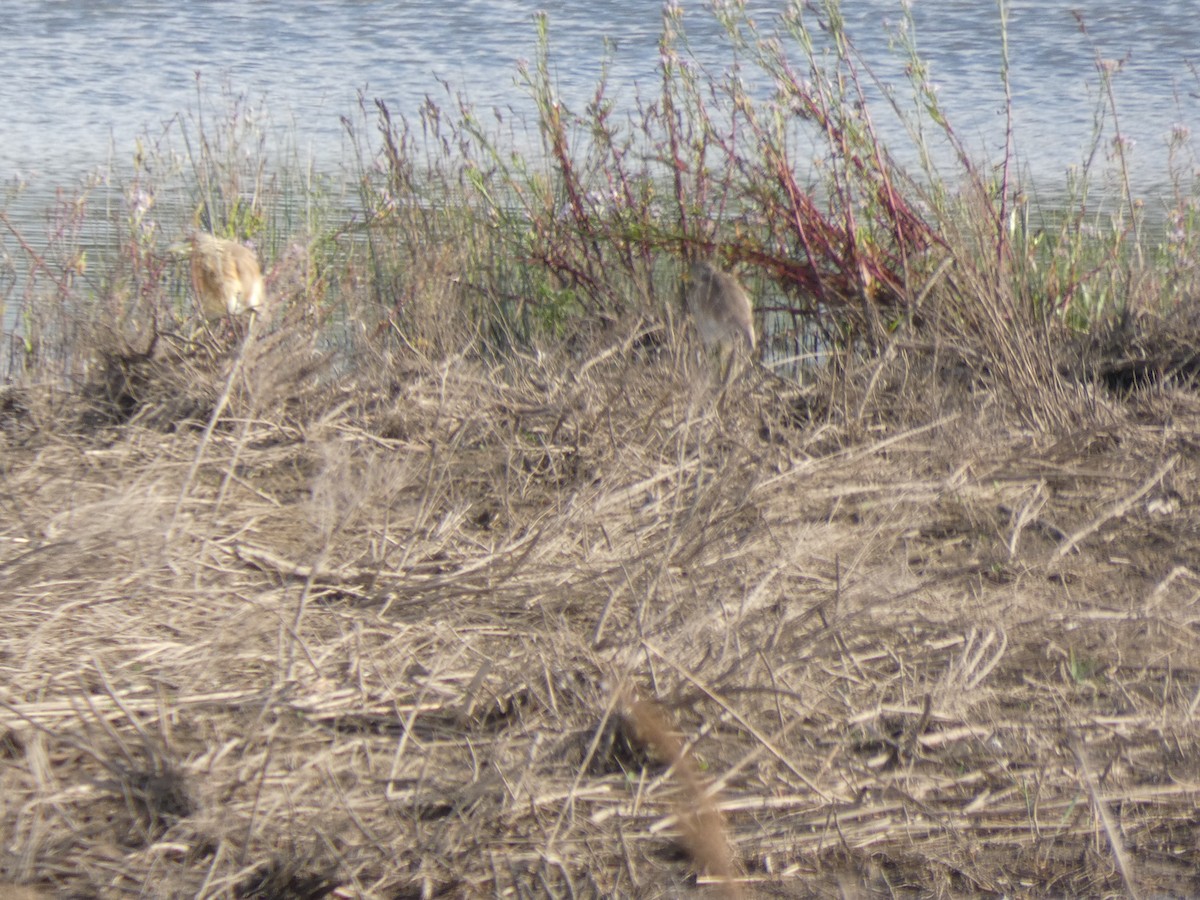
(83, 80)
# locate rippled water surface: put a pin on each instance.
(83, 80)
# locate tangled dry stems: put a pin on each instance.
(573, 624)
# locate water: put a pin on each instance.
(85, 83)
(84, 80)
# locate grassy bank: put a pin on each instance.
(464, 575)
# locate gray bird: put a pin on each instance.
(720, 307)
(723, 314)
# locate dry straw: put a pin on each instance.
(374, 654)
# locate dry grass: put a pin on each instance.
(571, 625)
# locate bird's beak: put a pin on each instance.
(180, 248)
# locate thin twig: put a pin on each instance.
(1115, 511)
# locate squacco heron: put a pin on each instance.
(226, 276)
(721, 310)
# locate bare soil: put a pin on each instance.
(584, 624)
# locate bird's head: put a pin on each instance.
(182, 248)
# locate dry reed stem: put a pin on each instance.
(1102, 813)
(697, 815)
(1117, 510)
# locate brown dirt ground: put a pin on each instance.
(582, 625)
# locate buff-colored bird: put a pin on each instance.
(226, 276)
(722, 312)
